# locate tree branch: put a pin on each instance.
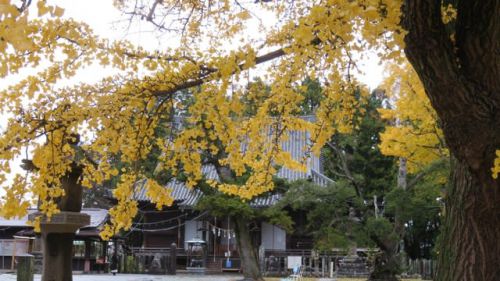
(345, 167)
(212, 73)
(416, 179)
(207, 75)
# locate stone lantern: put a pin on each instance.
(57, 243)
(196, 255)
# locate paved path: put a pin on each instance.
(137, 277)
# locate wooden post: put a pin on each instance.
(323, 265)
(25, 268)
(13, 255)
(115, 252)
(173, 259)
(86, 263)
(215, 241)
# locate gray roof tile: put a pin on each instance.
(296, 144)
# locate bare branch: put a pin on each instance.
(345, 168)
(209, 71)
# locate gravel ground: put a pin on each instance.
(137, 277)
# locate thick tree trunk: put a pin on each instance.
(249, 261)
(461, 80)
(384, 267)
(470, 248)
(387, 262)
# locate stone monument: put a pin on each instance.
(57, 243)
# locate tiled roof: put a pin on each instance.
(296, 145)
(320, 179)
(180, 192)
(188, 198)
(267, 201)
(97, 218)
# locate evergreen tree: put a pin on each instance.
(364, 207)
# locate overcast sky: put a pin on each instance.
(109, 23)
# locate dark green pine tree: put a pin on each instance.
(364, 207)
(356, 158)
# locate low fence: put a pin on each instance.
(314, 264)
(274, 263)
(335, 263)
(149, 260)
(158, 260)
(423, 267)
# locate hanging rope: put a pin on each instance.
(167, 228)
(226, 232)
(159, 222)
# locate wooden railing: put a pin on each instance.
(425, 268)
(139, 251)
(314, 263)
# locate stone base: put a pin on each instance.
(57, 243)
(25, 266)
(196, 270)
(38, 260)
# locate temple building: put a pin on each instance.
(154, 231)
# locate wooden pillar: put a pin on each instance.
(172, 267)
(104, 254)
(120, 259)
(12, 261)
(25, 268)
(86, 263)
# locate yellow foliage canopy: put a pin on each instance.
(496, 165)
(415, 133)
(118, 115)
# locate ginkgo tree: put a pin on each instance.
(414, 133)
(71, 132)
(414, 136)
